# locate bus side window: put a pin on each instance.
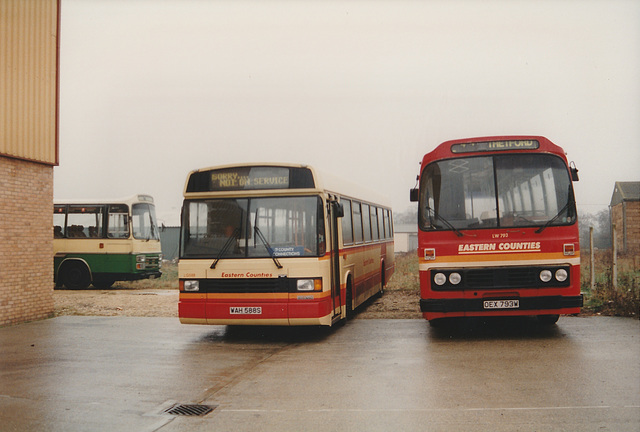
(387, 224)
(118, 221)
(59, 220)
(374, 223)
(357, 222)
(383, 235)
(347, 226)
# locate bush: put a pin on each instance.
(604, 299)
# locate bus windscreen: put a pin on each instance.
(256, 227)
(510, 190)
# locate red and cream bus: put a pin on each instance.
(498, 230)
(279, 244)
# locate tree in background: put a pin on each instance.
(408, 216)
(601, 223)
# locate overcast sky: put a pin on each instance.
(152, 89)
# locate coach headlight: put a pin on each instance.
(561, 275)
(440, 279)
(309, 285)
(455, 278)
(545, 276)
(191, 285)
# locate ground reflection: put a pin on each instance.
(475, 328)
(268, 334)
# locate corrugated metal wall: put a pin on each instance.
(29, 79)
(170, 238)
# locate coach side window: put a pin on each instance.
(118, 225)
(357, 222)
(366, 222)
(347, 226)
(374, 223)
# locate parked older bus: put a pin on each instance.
(279, 244)
(498, 230)
(101, 242)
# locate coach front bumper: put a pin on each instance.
(477, 305)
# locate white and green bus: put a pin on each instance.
(101, 242)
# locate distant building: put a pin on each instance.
(28, 153)
(625, 215)
(405, 237)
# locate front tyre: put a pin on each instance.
(548, 320)
(103, 283)
(75, 276)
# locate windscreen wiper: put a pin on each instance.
(234, 236)
(446, 222)
(553, 219)
(267, 245)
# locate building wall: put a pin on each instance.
(28, 79)
(626, 217)
(29, 54)
(26, 248)
(169, 238)
(405, 242)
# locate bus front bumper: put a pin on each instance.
(525, 304)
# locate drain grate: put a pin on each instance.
(189, 410)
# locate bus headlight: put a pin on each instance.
(191, 285)
(141, 262)
(545, 276)
(439, 279)
(309, 284)
(455, 278)
(561, 275)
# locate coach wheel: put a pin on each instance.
(548, 319)
(75, 275)
(382, 278)
(349, 301)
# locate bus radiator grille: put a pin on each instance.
(257, 285)
(500, 278)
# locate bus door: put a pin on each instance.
(335, 211)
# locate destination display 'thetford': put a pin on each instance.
(498, 230)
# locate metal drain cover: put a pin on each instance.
(189, 410)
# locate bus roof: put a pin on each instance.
(224, 180)
(138, 198)
(483, 145)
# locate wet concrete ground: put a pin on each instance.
(121, 374)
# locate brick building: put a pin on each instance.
(28, 153)
(625, 214)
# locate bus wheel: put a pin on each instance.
(382, 279)
(76, 276)
(103, 283)
(548, 320)
(349, 301)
